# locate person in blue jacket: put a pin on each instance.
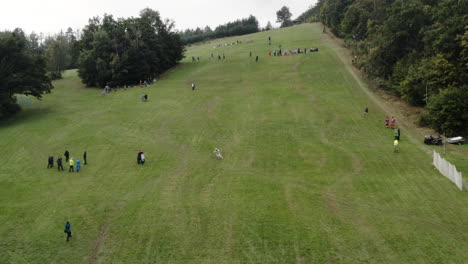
(68, 230)
(78, 165)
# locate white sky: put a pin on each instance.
(51, 16)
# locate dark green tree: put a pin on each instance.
(283, 16)
(448, 112)
(22, 71)
(125, 51)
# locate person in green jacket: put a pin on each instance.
(395, 146)
(72, 163)
(397, 135)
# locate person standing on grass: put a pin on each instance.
(395, 146)
(72, 164)
(59, 163)
(395, 132)
(142, 158)
(366, 111)
(387, 122)
(84, 157)
(78, 165)
(139, 157)
(399, 134)
(256, 59)
(50, 163)
(67, 155)
(193, 86)
(393, 122)
(68, 230)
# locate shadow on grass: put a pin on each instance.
(25, 115)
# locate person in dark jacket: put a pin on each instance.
(59, 163)
(67, 155)
(139, 157)
(68, 230)
(84, 158)
(50, 163)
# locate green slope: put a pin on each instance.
(305, 179)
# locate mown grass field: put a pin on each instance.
(305, 178)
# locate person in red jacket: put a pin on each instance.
(387, 122)
(393, 122)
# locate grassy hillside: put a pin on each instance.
(305, 179)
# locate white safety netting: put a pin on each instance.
(448, 170)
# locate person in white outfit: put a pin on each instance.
(218, 153)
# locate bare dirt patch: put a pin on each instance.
(98, 244)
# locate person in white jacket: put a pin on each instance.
(218, 153)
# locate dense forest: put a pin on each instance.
(235, 28)
(118, 52)
(417, 49)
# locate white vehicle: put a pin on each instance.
(456, 140)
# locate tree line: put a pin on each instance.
(235, 28)
(417, 49)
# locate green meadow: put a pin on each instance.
(305, 178)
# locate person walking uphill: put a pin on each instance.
(68, 230)
(72, 164)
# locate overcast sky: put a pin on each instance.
(50, 16)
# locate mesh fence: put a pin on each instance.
(448, 170)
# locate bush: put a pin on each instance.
(448, 112)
